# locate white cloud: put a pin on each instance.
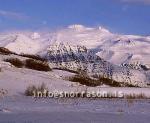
(13, 15)
(135, 1)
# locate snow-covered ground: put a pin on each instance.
(17, 108)
(16, 80)
(22, 109)
(115, 49)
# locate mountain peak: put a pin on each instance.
(103, 29)
(35, 35)
(79, 27)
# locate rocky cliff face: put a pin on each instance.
(79, 58)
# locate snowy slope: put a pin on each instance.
(78, 46)
(77, 58)
(16, 80)
(115, 48)
(20, 43)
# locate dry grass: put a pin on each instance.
(64, 69)
(136, 96)
(37, 65)
(29, 63)
(5, 51)
(84, 80)
(120, 110)
(35, 89)
(109, 82)
(15, 61)
(3, 92)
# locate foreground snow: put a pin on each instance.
(22, 109)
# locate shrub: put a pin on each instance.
(37, 65)
(68, 70)
(114, 83)
(136, 96)
(35, 89)
(30, 89)
(84, 80)
(3, 92)
(5, 51)
(15, 61)
(109, 82)
(35, 57)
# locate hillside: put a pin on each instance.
(95, 51)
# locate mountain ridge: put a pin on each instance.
(94, 50)
(115, 48)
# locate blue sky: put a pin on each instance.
(121, 16)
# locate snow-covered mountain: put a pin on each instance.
(123, 58)
(79, 58)
(115, 48)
